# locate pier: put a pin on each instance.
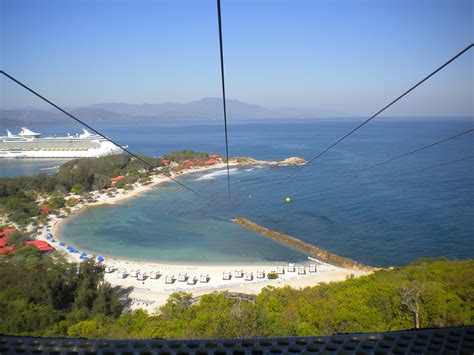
(300, 245)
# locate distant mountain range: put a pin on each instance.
(115, 113)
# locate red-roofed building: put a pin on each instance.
(210, 162)
(45, 210)
(117, 179)
(5, 250)
(165, 162)
(214, 156)
(41, 245)
(6, 231)
(187, 163)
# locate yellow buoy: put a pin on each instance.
(288, 199)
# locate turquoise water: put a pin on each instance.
(170, 228)
(386, 216)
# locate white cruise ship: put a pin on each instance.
(29, 144)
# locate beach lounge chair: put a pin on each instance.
(248, 276)
(141, 276)
(134, 273)
(182, 277)
(154, 275)
(226, 275)
(291, 267)
(238, 274)
(280, 270)
(169, 279)
(260, 274)
(301, 270)
(192, 280)
(313, 268)
(122, 274)
(204, 278)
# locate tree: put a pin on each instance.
(409, 298)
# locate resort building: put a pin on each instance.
(41, 245)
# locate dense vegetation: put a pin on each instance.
(18, 195)
(46, 297)
(181, 155)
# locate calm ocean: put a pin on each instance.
(390, 215)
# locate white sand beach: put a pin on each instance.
(151, 293)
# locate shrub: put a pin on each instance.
(272, 275)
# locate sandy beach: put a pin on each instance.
(151, 293)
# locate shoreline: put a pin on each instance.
(151, 293)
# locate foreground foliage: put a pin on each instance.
(437, 292)
(46, 295)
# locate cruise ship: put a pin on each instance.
(29, 144)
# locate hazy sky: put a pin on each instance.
(346, 57)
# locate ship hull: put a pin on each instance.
(57, 149)
(93, 153)
(30, 145)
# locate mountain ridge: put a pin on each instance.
(116, 113)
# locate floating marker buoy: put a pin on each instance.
(287, 199)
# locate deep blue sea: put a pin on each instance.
(389, 215)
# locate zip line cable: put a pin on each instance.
(383, 109)
(97, 132)
(401, 155)
(401, 174)
(414, 151)
(221, 47)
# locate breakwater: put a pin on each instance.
(299, 244)
(172, 188)
(105, 204)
